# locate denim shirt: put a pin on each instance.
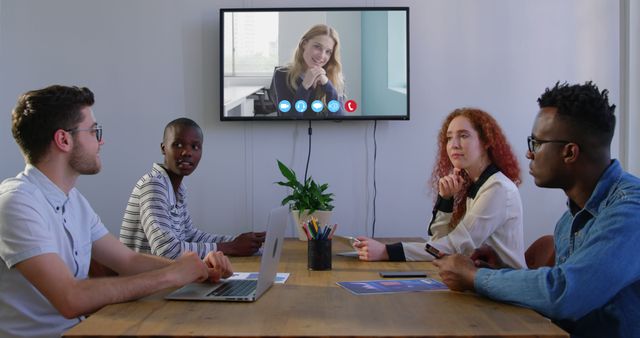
(594, 288)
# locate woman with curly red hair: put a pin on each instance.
(476, 175)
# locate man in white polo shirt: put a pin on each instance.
(49, 232)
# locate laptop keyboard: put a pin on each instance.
(235, 288)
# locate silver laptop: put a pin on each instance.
(245, 290)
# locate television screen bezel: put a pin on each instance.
(405, 117)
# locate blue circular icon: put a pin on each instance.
(317, 106)
(284, 106)
(301, 106)
(333, 106)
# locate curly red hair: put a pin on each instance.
(498, 149)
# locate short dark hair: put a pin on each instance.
(180, 122)
(585, 107)
(40, 113)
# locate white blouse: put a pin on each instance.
(493, 217)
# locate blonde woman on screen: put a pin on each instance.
(315, 73)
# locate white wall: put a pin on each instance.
(630, 84)
(149, 61)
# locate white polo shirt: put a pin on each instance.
(36, 217)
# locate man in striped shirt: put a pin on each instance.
(157, 220)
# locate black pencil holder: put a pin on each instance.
(319, 254)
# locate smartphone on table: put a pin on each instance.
(432, 250)
(402, 274)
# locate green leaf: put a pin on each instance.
(286, 200)
(286, 172)
(286, 184)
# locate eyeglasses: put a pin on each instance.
(97, 129)
(535, 144)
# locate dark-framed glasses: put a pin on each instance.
(534, 144)
(97, 129)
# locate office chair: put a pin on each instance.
(263, 102)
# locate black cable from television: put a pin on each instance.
(306, 169)
(375, 189)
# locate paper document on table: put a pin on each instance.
(371, 287)
(281, 277)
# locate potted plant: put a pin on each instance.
(306, 200)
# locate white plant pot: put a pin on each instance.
(323, 217)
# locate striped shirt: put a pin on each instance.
(157, 222)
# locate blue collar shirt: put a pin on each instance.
(36, 218)
(594, 288)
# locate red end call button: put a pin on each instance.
(350, 106)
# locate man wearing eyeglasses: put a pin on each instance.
(49, 232)
(594, 288)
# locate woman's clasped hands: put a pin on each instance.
(315, 76)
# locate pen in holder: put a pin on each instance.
(318, 244)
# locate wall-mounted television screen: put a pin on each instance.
(347, 63)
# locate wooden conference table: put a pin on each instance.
(311, 304)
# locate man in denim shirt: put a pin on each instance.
(594, 288)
